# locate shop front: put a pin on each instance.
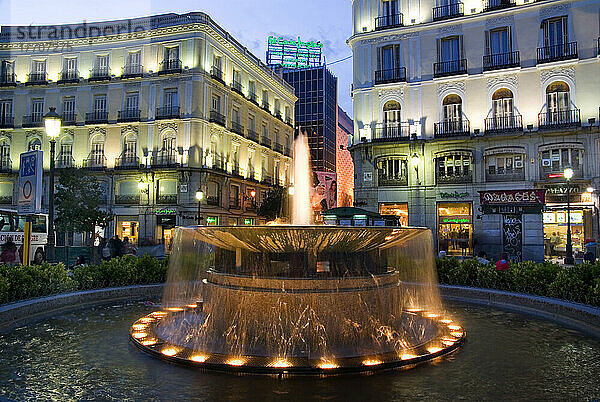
(455, 228)
(397, 209)
(128, 226)
(516, 213)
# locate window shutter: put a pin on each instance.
(565, 31)
(461, 50)
(439, 50)
(509, 39)
(379, 50)
(487, 43)
(396, 56)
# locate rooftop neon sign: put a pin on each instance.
(293, 53)
(294, 43)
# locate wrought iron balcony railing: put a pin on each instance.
(265, 141)
(33, 120)
(237, 128)
(212, 200)
(7, 79)
(7, 121)
(234, 203)
(165, 158)
(237, 87)
(128, 115)
(385, 180)
(448, 11)
(454, 179)
(127, 199)
(501, 60)
(252, 135)
(389, 21)
(132, 71)
(68, 118)
(166, 199)
(68, 76)
(491, 5)
(392, 131)
(172, 66)
(217, 74)
(216, 117)
(563, 51)
(452, 128)
(253, 98)
(96, 117)
(167, 112)
(390, 75)
(127, 162)
(287, 150)
(95, 161)
(447, 68)
(277, 147)
(266, 106)
(99, 74)
(503, 124)
(513, 175)
(5, 164)
(37, 79)
(64, 161)
(559, 119)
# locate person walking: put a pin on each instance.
(128, 247)
(503, 264)
(9, 254)
(116, 247)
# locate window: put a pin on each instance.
(35, 145)
(101, 67)
(502, 103)
(169, 144)
(235, 114)
(391, 114)
(265, 132)
(5, 154)
(130, 148)
(65, 156)
(455, 167)
(237, 78)
(265, 98)
(172, 54)
(251, 123)
(555, 32)
(504, 167)
(557, 100)
(69, 68)
(134, 59)
(39, 67)
(166, 191)
(170, 99)
(68, 109)
(388, 57)
(97, 153)
(450, 49)
(6, 115)
(7, 69)
(392, 171)
(252, 89)
(132, 101)
(498, 41)
(216, 103)
(452, 115)
(235, 156)
(218, 62)
(558, 159)
(99, 111)
(37, 109)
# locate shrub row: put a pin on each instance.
(20, 282)
(579, 283)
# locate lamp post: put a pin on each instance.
(569, 260)
(199, 198)
(52, 124)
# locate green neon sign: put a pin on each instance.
(248, 221)
(455, 220)
(212, 220)
(273, 40)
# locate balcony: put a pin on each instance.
(215, 162)
(234, 203)
(385, 180)
(491, 5)
(33, 120)
(448, 68)
(448, 11)
(217, 74)
(68, 77)
(96, 117)
(266, 106)
(253, 98)
(127, 199)
(277, 147)
(288, 121)
(501, 60)
(126, 115)
(266, 178)
(286, 150)
(64, 161)
(454, 179)
(165, 158)
(512, 175)
(169, 67)
(504, 124)
(132, 71)
(236, 170)
(7, 79)
(37, 79)
(167, 112)
(390, 75)
(7, 121)
(278, 115)
(125, 162)
(389, 21)
(166, 199)
(552, 175)
(559, 119)
(392, 132)
(5, 164)
(265, 141)
(452, 128)
(99, 74)
(237, 128)
(563, 51)
(216, 117)
(212, 200)
(95, 161)
(68, 118)
(236, 86)
(251, 174)
(252, 135)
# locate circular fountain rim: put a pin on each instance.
(141, 336)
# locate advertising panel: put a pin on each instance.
(324, 191)
(30, 183)
(513, 197)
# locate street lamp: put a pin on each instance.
(199, 198)
(569, 260)
(52, 125)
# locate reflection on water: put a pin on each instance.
(87, 355)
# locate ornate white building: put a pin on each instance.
(452, 99)
(158, 107)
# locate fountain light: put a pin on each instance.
(371, 362)
(414, 309)
(169, 351)
(193, 305)
(158, 314)
(445, 321)
(139, 335)
(407, 356)
(448, 342)
(432, 315)
(174, 309)
(456, 334)
(199, 358)
(235, 362)
(326, 364)
(433, 349)
(149, 342)
(280, 363)
(138, 327)
(146, 319)
(454, 327)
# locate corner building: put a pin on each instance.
(157, 108)
(463, 109)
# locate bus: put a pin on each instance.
(13, 225)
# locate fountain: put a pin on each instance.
(304, 299)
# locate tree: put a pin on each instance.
(271, 206)
(78, 202)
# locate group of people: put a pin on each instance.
(115, 247)
(501, 265)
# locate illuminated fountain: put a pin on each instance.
(299, 298)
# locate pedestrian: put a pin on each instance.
(9, 254)
(128, 247)
(503, 264)
(116, 247)
(482, 258)
(554, 240)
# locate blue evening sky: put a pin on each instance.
(250, 22)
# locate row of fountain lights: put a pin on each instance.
(140, 335)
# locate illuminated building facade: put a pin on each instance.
(159, 108)
(458, 101)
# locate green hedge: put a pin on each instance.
(20, 282)
(580, 283)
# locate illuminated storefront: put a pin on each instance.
(128, 226)
(166, 219)
(455, 228)
(399, 209)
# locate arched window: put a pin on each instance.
(96, 157)
(502, 103)
(392, 171)
(65, 156)
(213, 157)
(35, 145)
(558, 104)
(452, 122)
(130, 148)
(391, 113)
(5, 154)
(168, 152)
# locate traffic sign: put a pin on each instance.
(30, 182)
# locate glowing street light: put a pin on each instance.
(52, 124)
(569, 260)
(199, 198)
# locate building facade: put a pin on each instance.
(462, 110)
(157, 108)
(344, 165)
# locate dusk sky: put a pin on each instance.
(250, 22)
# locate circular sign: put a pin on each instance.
(27, 189)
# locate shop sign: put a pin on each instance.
(212, 220)
(247, 221)
(514, 197)
(165, 211)
(454, 194)
(562, 189)
(465, 219)
(586, 198)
